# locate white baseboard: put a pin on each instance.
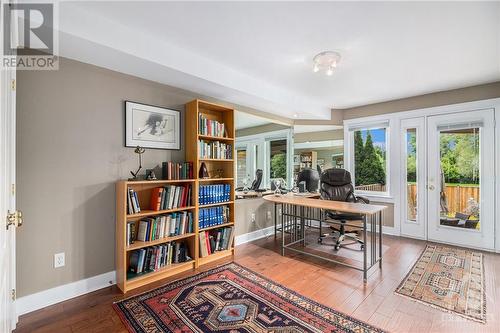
(254, 235)
(58, 294)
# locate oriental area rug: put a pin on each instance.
(451, 279)
(231, 299)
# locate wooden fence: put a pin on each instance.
(457, 196)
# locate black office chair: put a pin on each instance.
(336, 185)
(310, 177)
(257, 181)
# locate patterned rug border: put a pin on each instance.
(224, 266)
(437, 306)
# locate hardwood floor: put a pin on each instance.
(338, 287)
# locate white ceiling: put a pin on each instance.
(259, 54)
(245, 120)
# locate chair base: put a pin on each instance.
(339, 235)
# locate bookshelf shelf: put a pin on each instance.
(146, 212)
(216, 204)
(194, 111)
(208, 180)
(214, 138)
(215, 256)
(217, 226)
(139, 244)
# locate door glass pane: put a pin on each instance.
(241, 167)
(411, 174)
(278, 161)
(370, 163)
(460, 178)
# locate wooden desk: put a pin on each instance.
(296, 210)
(252, 194)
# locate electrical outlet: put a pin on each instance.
(253, 217)
(59, 260)
(269, 216)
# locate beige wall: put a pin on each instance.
(70, 137)
(469, 94)
(243, 218)
(260, 129)
(319, 136)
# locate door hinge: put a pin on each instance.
(13, 294)
(13, 189)
(15, 219)
(13, 84)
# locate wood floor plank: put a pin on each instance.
(335, 286)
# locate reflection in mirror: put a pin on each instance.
(263, 144)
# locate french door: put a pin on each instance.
(448, 178)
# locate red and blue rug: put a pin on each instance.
(231, 299)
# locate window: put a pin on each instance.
(411, 175)
(370, 159)
(278, 160)
(241, 167)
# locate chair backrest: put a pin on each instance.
(311, 177)
(336, 185)
(257, 181)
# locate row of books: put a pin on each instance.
(158, 227)
(216, 240)
(133, 206)
(211, 127)
(170, 197)
(215, 149)
(215, 193)
(131, 232)
(209, 217)
(175, 171)
(153, 258)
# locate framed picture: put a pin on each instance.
(152, 126)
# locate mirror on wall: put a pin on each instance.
(264, 152)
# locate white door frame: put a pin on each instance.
(485, 237)
(418, 228)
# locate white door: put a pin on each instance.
(461, 193)
(413, 210)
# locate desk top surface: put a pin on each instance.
(346, 207)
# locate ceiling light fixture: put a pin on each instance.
(326, 61)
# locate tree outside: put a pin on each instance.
(369, 159)
(278, 166)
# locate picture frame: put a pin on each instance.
(151, 126)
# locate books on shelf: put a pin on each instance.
(216, 240)
(170, 197)
(211, 127)
(214, 193)
(130, 232)
(177, 171)
(212, 216)
(215, 149)
(169, 225)
(133, 206)
(153, 258)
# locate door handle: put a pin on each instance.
(15, 218)
(431, 187)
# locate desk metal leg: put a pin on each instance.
(275, 221)
(364, 250)
(379, 215)
(303, 225)
(283, 229)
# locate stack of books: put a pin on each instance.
(158, 227)
(170, 197)
(153, 258)
(209, 217)
(177, 171)
(216, 193)
(211, 127)
(216, 240)
(215, 149)
(133, 206)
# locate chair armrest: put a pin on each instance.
(362, 200)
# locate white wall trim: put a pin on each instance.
(58, 294)
(254, 235)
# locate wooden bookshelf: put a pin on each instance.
(127, 282)
(193, 134)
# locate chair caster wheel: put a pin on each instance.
(337, 247)
(362, 247)
(320, 240)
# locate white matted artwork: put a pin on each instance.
(152, 126)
